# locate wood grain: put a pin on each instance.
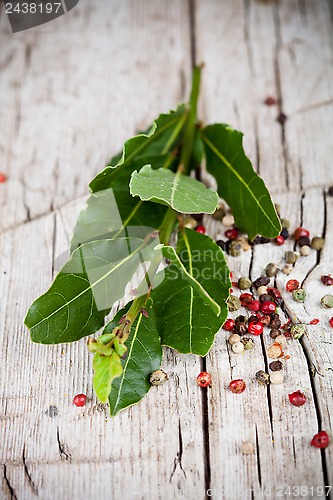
(71, 93)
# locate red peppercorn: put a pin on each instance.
(204, 379)
(314, 321)
(200, 229)
(246, 299)
(237, 386)
(254, 305)
(331, 322)
(292, 285)
(320, 440)
(255, 327)
(327, 280)
(300, 232)
(297, 398)
(3, 178)
(279, 240)
(268, 307)
(80, 400)
(270, 101)
(231, 234)
(229, 325)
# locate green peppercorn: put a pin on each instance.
(317, 243)
(235, 249)
(271, 270)
(158, 377)
(290, 257)
(297, 331)
(244, 283)
(327, 301)
(299, 295)
(285, 223)
(248, 343)
(263, 377)
(233, 303)
(287, 268)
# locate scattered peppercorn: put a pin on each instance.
(219, 213)
(274, 351)
(244, 283)
(204, 379)
(158, 377)
(292, 285)
(314, 321)
(200, 229)
(290, 257)
(300, 295)
(268, 306)
(247, 343)
(305, 250)
(229, 325)
(271, 270)
(317, 243)
(297, 398)
(3, 178)
(300, 232)
(274, 333)
(254, 305)
(331, 322)
(262, 290)
(327, 280)
(287, 268)
(320, 440)
(237, 386)
(262, 281)
(235, 248)
(279, 240)
(237, 347)
(262, 377)
(255, 327)
(240, 328)
(284, 233)
(296, 331)
(231, 234)
(276, 378)
(233, 303)
(275, 366)
(281, 339)
(282, 118)
(327, 301)
(245, 299)
(275, 324)
(330, 190)
(80, 400)
(228, 220)
(234, 338)
(304, 241)
(222, 244)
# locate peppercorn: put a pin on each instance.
(330, 190)
(240, 328)
(265, 298)
(285, 223)
(327, 301)
(262, 281)
(237, 386)
(228, 220)
(245, 299)
(229, 325)
(235, 249)
(270, 101)
(222, 244)
(297, 398)
(3, 177)
(254, 305)
(290, 257)
(158, 377)
(317, 243)
(331, 322)
(305, 251)
(262, 290)
(287, 268)
(256, 241)
(190, 222)
(253, 317)
(262, 377)
(275, 323)
(200, 229)
(274, 351)
(238, 347)
(304, 241)
(233, 303)
(234, 338)
(240, 319)
(276, 377)
(80, 400)
(204, 379)
(219, 213)
(255, 327)
(265, 319)
(300, 232)
(281, 339)
(274, 333)
(296, 331)
(248, 343)
(327, 280)
(268, 307)
(244, 283)
(292, 285)
(271, 270)
(275, 366)
(231, 234)
(320, 440)
(284, 233)
(244, 243)
(299, 295)
(279, 240)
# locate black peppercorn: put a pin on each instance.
(265, 297)
(276, 366)
(222, 244)
(276, 323)
(264, 240)
(256, 241)
(240, 328)
(262, 281)
(304, 241)
(284, 233)
(252, 318)
(240, 319)
(330, 191)
(274, 333)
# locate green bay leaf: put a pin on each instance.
(238, 183)
(182, 193)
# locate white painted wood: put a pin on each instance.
(127, 63)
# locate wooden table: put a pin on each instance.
(71, 92)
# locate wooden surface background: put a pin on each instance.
(71, 92)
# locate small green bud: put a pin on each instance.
(244, 283)
(327, 301)
(271, 270)
(297, 331)
(285, 223)
(299, 295)
(317, 243)
(233, 303)
(290, 257)
(248, 343)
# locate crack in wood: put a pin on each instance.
(258, 457)
(27, 473)
(9, 486)
(179, 456)
(63, 449)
